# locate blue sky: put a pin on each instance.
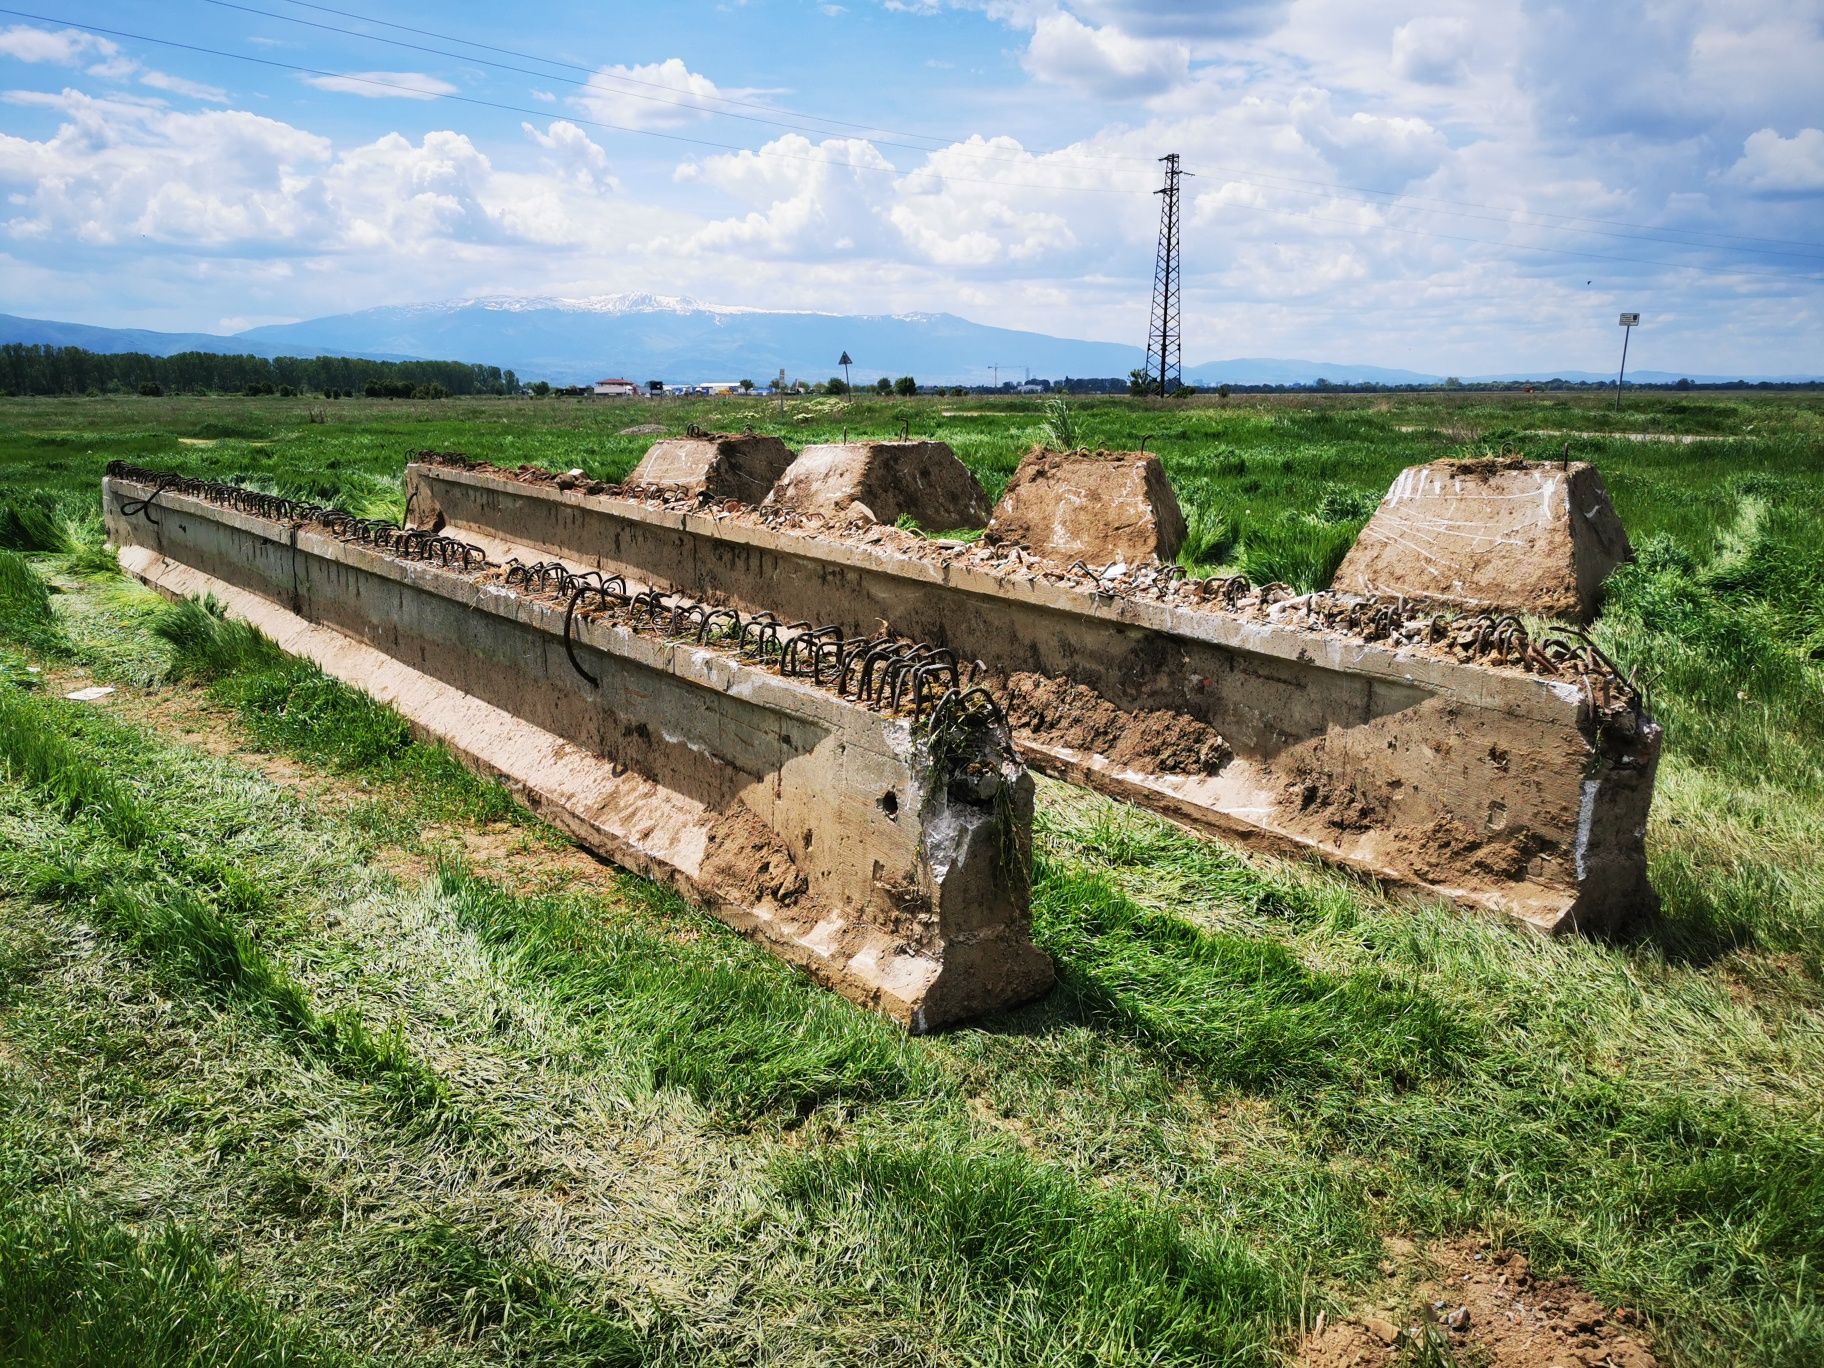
(1450, 187)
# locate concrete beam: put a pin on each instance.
(1483, 783)
(889, 859)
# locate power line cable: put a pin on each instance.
(1245, 175)
(589, 84)
(573, 66)
(420, 93)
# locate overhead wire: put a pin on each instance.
(942, 177)
(419, 92)
(949, 142)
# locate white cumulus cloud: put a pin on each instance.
(1433, 50)
(1106, 61)
(664, 94)
(1776, 165)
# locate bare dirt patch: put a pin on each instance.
(1058, 712)
(1466, 1302)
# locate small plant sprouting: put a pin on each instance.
(1060, 426)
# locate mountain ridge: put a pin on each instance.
(577, 339)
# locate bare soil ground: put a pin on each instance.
(1467, 1302)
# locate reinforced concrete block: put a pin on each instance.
(889, 479)
(1096, 506)
(1428, 767)
(889, 860)
(1506, 535)
(714, 467)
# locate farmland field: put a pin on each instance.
(317, 1050)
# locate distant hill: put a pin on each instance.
(111, 341)
(660, 337)
(657, 337)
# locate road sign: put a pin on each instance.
(1630, 320)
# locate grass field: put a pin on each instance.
(317, 1050)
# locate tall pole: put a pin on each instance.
(1629, 321)
(1164, 344)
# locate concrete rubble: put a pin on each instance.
(882, 843)
(884, 481)
(1510, 536)
(1460, 757)
(1098, 506)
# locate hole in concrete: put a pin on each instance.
(889, 804)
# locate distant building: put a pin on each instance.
(615, 389)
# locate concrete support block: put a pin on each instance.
(890, 861)
(1095, 506)
(1478, 782)
(712, 467)
(1504, 535)
(890, 480)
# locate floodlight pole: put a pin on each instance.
(1629, 321)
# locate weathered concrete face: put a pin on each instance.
(890, 480)
(1484, 784)
(891, 862)
(743, 468)
(1095, 506)
(1512, 536)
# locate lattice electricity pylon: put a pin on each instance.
(1164, 345)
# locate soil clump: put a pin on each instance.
(1097, 506)
(1058, 712)
(890, 480)
(1506, 535)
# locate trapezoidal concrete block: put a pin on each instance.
(1503, 535)
(887, 857)
(1096, 506)
(1419, 760)
(891, 480)
(714, 467)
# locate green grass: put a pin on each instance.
(26, 618)
(1016, 1260)
(718, 1018)
(290, 706)
(1251, 1074)
(185, 909)
(79, 1289)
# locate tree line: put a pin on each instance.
(30, 368)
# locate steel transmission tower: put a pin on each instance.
(1164, 346)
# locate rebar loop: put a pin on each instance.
(885, 673)
(1561, 652)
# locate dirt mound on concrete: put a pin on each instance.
(1510, 535)
(1097, 506)
(890, 479)
(1057, 712)
(1474, 1304)
(742, 852)
(712, 466)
